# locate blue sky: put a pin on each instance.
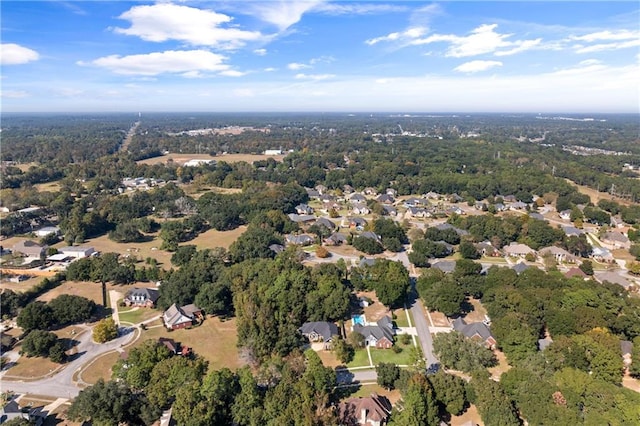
(315, 55)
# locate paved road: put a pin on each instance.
(357, 376)
(418, 313)
(62, 385)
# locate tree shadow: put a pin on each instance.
(75, 356)
(69, 343)
(466, 307)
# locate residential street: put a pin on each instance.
(61, 384)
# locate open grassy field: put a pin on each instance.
(214, 340)
(48, 186)
(229, 158)
(136, 315)
(141, 250)
(213, 238)
(389, 356)
(90, 290)
(100, 368)
(360, 359)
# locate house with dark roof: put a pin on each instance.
(326, 223)
(389, 210)
(143, 297)
(336, 239)
(616, 240)
(373, 410)
(177, 317)
(301, 218)
(485, 248)
(520, 267)
(357, 198)
(559, 254)
(576, 272)
(379, 335)
(371, 235)
(300, 240)
(446, 266)
(385, 199)
(477, 331)
(360, 208)
(445, 226)
(29, 248)
(320, 331)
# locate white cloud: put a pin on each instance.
(587, 66)
(282, 13)
(185, 62)
(201, 27)
(607, 36)
(316, 77)
(482, 40)
(477, 66)
(260, 52)
(607, 46)
(232, 73)
(270, 69)
(408, 35)
(14, 54)
(358, 8)
(13, 94)
(295, 66)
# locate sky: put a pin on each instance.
(320, 56)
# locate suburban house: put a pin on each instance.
(520, 267)
(601, 254)
(336, 239)
(445, 226)
(614, 278)
(320, 331)
(373, 410)
(312, 193)
(391, 191)
(518, 205)
(144, 297)
(46, 231)
(559, 254)
(390, 210)
(301, 218)
(77, 252)
(485, 248)
(371, 235)
(321, 189)
(446, 266)
(477, 331)
(385, 199)
(416, 212)
(181, 317)
(357, 198)
(300, 240)
(34, 416)
(326, 223)
(276, 248)
(616, 240)
(415, 202)
(517, 250)
(370, 191)
(360, 208)
(357, 223)
(29, 248)
(576, 272)
(572, 230)
(565, 214)
(304, 209)
(378, 336)
(432, 195)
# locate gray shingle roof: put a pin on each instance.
(322, 328)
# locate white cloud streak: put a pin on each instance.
(186, 62)
(477, 66)
(14, 54)
(282, 13)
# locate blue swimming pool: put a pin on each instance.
(358, 319)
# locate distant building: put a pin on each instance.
(46, 231)
(273, 152)
(374, 410)
(77, 252)
(477, 331)
(143, 297)
(181, 317)
(320, 331)
(29, 248)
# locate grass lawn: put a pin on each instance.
(360, 359)
(135, 316)
(214, 340)
(30, 368)
(367, 390)
(389, 356)
(213, 238)
(401, 318)
(90, 290)
(100, 368)
(140, 250)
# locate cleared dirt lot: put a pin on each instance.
(229, 158)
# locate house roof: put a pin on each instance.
(171, 344)
(520, 267)
(369, 234)
(176, 315)
(301, 239)
(612, 277)
(445, 266)
(575, 272)
(472, 329)
(147, 293)
(572, 230)
(28, 247)
(322, 328)
(298, 218)
(517, 248)
(375, 331)
(626, 347)
(326, 223)
(337, 238)
(376, 409)
(555, 250)
(445, 226)
(615, 236)
(544, 343)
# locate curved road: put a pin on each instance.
(61, 384)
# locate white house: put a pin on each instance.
(47, 230)
(77, 252)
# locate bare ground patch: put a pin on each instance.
(478, 313)
(471, 415)
(439, 319)
(140, 250)
(213, 238)
(88, 289)
(229, 158)
(502, 367)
